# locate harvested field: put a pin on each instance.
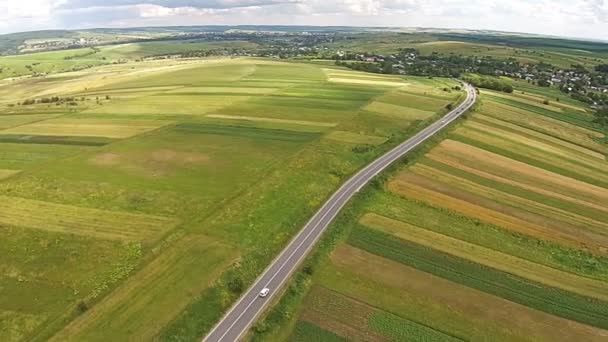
(355, 138)
(518, 220)
(273, 120)
(223, 90)
(512, 140)
(566, 131)
(457, 153)
(398, 112)
(82, 221)
(166, 105)
(8, 121)
(567, 166)
(530, 100)
(4, 174)
(371, 82)
(592, 220)
(559, 143)
(107, 128)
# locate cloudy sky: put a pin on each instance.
(575, 18)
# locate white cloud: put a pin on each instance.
(587, 18)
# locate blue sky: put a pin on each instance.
(574, 18)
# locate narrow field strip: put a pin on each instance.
(534, 144)
(463, 154)
(273, 120)
(539, 100)
(372, 82)
(507, 181)
(453, 307)
(9, 121)
(506, 285)
(514, 149)
(248, 132)
(559, 214)
(109, 128)
(166, 105)
(398, 112)
(489, 257)
(223, 90)
(503, 216)
(400, 97)
(129, 90)
(4, 174)
(533, 102)
(82, 221)
(341, 73)
(140, 307)
(578, 119)
(54, 140)
(560, 143)
(355, 138)
(546, 125)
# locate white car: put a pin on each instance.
(264, 292)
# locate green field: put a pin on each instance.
(146, 190)
(499, 223)
(142, 192)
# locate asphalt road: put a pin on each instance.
(242, 315)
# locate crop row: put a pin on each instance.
(502, 284)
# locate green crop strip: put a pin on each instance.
(501, 284)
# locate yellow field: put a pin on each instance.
(455, 306)
(565, 217)
(273, 120)
(504, 216)
(360, 74)
(4, 174)
(25, 322)
(8, 121)
(512, 141)
(398, 112)
(560, 143)
(166, 105)
(536, 150)
(563, 130)
(372, 82)
(460, 154)
(488, 257)
(107, 128)
(215, 90)
(538, 102)
(82, 221)
(522, 185)
(355, 138)
(147, 301)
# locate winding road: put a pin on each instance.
(248, 308)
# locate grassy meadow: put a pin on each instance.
(496, 230)
(141, 202)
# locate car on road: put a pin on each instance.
(264, 292)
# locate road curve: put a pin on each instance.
(242, 315)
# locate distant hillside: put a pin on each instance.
(10, 43)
